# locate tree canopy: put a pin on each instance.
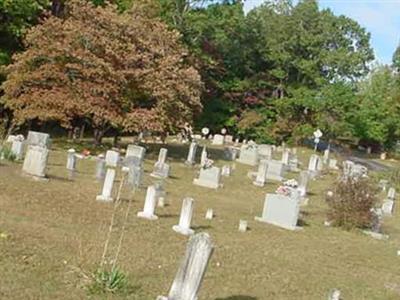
(274, 74)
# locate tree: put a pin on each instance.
(378, 109)
(125, 71)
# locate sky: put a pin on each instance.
(380, 17)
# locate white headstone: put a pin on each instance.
(107, 186)
(248, 155)
(71, 160)
(38, 139)
(35, 161)
(209, 177)
(275, 170)
(391, 193)
(303, 182)
(100, 167)
(242, 225)
(161, 168)
(112, 158)
(149, 204)
(203, 158)
(333, 164)
(226, 171)
(261, 173)
(228, 139)
(326, 156)
(286, 157)
(388, 207)
(187, 281)
(17, 148)
(209, 214)
(191, 158)
(281, 210)
(218, 139)
(136, 152)
(265, 151)
(185, 218)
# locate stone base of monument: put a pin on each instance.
(295, 228)
(104, 199)
(144, 215)
(181, 230)
(206, 183)
(259, 183)
(34, 177)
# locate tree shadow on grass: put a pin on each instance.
(166, 216)
(238, 297)
(201, 227)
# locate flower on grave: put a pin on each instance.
(291, 183)
(283, 190)
(208, 163)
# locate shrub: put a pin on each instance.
(351, 204)
(7, 154)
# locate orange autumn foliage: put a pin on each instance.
(114, 70)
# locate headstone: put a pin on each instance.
(71, 160)
(191, 158)
(218, 139)
(17, 148)
(35, 161)
(248, 155)
(136, 153)
(228, 139)
(388, 207)
(293, 162)
(314, 165)
(334, 295)
(383, 184)
(185, 218)
(226, 171)
(326, 156)
(275, 170)
(112, 158)
(100, 167)
(333, 164)
(38, 139)
(286, 157)
(231, 153)
(242, 225)
(209, 177)
(223, 131)
(135, 171)
(391, 193)
(106, 194)
(203, 158)
(303, 182)
(265, 151)
(281, 210)
(209, 214)
(161, 168)
(149, 204)
(161, 202)
(190, 275)
(261, 173)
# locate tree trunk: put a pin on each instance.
(70, 134)
(98, 136)
(82, 133)
(116, 138)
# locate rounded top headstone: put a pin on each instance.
(205, 131)
(71, 150)
(223, 131)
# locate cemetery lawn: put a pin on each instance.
(52, 235)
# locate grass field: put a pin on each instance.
(52, 236)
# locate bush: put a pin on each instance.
(351, 204)
(6, 153)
